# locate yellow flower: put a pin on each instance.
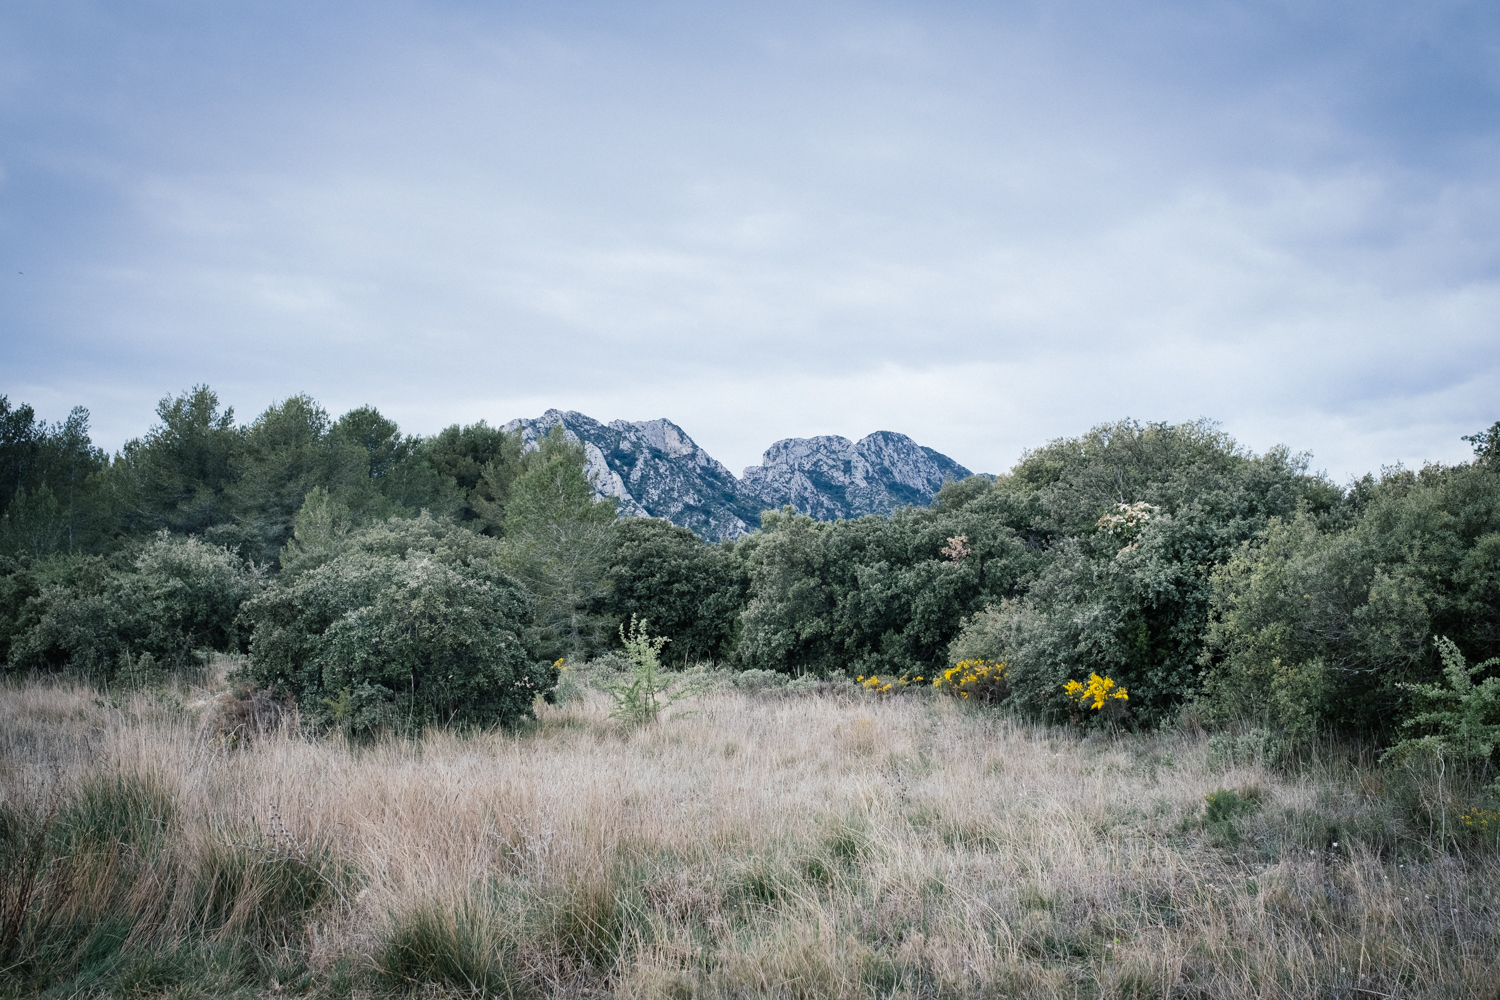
(983, 680)
(1097, 693)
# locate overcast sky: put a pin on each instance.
(984, 225)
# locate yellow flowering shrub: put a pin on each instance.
(876, 684)
(1099, 694)
(1481, 820)
(1481, 826)
(974, 680)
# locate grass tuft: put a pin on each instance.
(465, 945)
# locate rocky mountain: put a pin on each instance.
(653, 469)
(831, 477)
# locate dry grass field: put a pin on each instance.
(751, 844)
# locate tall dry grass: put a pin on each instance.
(760, 844)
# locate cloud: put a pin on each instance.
(980, 226)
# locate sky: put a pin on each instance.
(984, 225)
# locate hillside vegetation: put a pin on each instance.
(1188, 570)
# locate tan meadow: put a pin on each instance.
(834, 844)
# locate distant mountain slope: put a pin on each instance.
(653, 469)
(832, 477)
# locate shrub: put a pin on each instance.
(1223, 808)
(410, 623)
(18, 585)
(1463, 718)
(1254, 748)
(643, 696)
(759, 680)
(1100, 694)
(178, 596)
(877, 591)
(1325, 621)
(570, 686)
(974, 680)
(885, 684)
(1225, 805)
(1481, 825)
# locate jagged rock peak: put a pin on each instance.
(831, 477)
(654, 469)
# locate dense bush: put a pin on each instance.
(1133, 519)
(688, 589)
(1326, 619)
(179, 595)
(1093, 554)
(876, 594)
(18, 585)
(398, 625)
(1164, 556)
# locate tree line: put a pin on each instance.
(386, 579)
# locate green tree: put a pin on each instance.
(69, 465)
(788, 620)
(1326, 621)
(1486, 444)
(179, 475)
(558, 538)
(20, 441)
(480, 462)
(35, 523)
(397, 466)
(690, 589)
(287, 452)
(54, 505)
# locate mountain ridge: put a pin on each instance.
(653, 468)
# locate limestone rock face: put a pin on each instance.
(832, 477)
(653, 469)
